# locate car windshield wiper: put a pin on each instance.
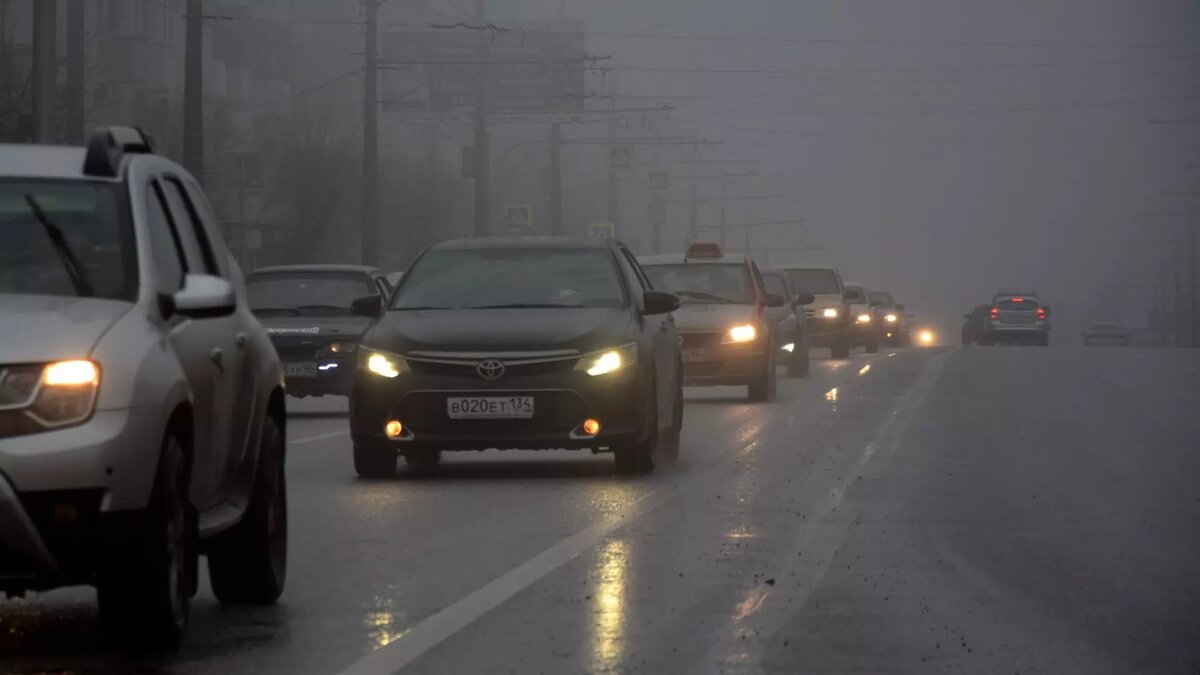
(418, 308)
(79, 278)
(306, 308)
(700, 295)
(290, 311)
(528, 305)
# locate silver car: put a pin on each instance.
(141, 404)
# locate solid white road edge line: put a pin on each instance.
(319, 437)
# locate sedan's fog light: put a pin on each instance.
(393, 428)
(591, 427)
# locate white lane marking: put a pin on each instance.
(433, 630)
(319, 437)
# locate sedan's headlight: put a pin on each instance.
(864, 318)
(891, 318)
(830, 313)
(340, 348)
(67, 393)
(604, 361)
(739, 334)
(383, 364)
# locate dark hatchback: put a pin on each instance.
(519, 343)
(308, 311)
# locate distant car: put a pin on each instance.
(1106, 334)
(308, 312)
(791, 322)
(724, 329)
(519, 343)
(829, 313)
(890, 316)
(864, 326)
(1018, 319)
(976, 324)
(141, 404)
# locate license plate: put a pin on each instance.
(490, 407)
(299, 370)
(692, 355)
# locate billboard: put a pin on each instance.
(536, 69)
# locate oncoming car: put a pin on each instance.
(726, 335)
(141, 404)
(519, 343)
(829, 312)
(791, 322)
(308, 310)
(865, 325)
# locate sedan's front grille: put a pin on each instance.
(516, 364)
(699, 340)
(553, 412)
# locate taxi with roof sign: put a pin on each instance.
(726, 334)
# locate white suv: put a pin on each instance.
(141, 404)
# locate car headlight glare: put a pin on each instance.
(830, 313)
(891, 318)
(67, 393)
(864, 318)
(739, 334)
(605, 361)
(385, 365)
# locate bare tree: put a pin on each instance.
(16, 83)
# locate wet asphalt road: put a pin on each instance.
(1002, 510)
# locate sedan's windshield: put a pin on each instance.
(773, 282)
(512, 278)
(816, 281)
(83, 222)
(311, 294)
(704, 284)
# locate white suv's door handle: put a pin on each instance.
(240, 339)
(217, 357)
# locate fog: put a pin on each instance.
(937, 149)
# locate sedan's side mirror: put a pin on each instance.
(877, 304)
(805, 298)
(370, 306)
(773, 300)
(203, 296)
(658, 302)
(899, 308)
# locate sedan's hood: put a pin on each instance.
(499, 330)
(331, 326)
(711, 318)
(39, 328)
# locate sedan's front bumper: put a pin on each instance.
(562, 402)
(332, 376)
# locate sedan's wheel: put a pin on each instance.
(248, 564)
(762, 388)
(668, 448)
(798, 365)
(422, 461)
(840, 348)
(372, 461)
(638, 457)
(144, 589)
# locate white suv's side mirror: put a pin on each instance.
(204, 296)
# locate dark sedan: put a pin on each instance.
(308, 312)
(518, 343)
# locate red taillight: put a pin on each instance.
(1018, 299)
(995, 313)
(1041, 312)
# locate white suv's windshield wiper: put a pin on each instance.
(79, 278)
(709, 297)
(527, 305)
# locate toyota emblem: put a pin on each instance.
(490, 369)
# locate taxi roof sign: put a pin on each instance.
(705, 249)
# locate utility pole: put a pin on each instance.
(612, 170)
(721, 222)
(45, 55)
(481, 158)
(75, 72)
(369, 237)
(556, 179)
(193, 90)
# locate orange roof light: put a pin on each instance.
(705, 249)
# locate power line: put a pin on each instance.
(303, 92)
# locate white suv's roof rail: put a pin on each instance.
(107, 146)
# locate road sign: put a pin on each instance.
(621, 155)
(537, 68)
(659, 180)
(518, 216)
(602, 230)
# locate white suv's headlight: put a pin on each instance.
(66, 393)
(604, 361)
(383, 364)
(830, 313)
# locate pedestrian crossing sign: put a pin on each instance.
(518, 216)
(602, 230)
